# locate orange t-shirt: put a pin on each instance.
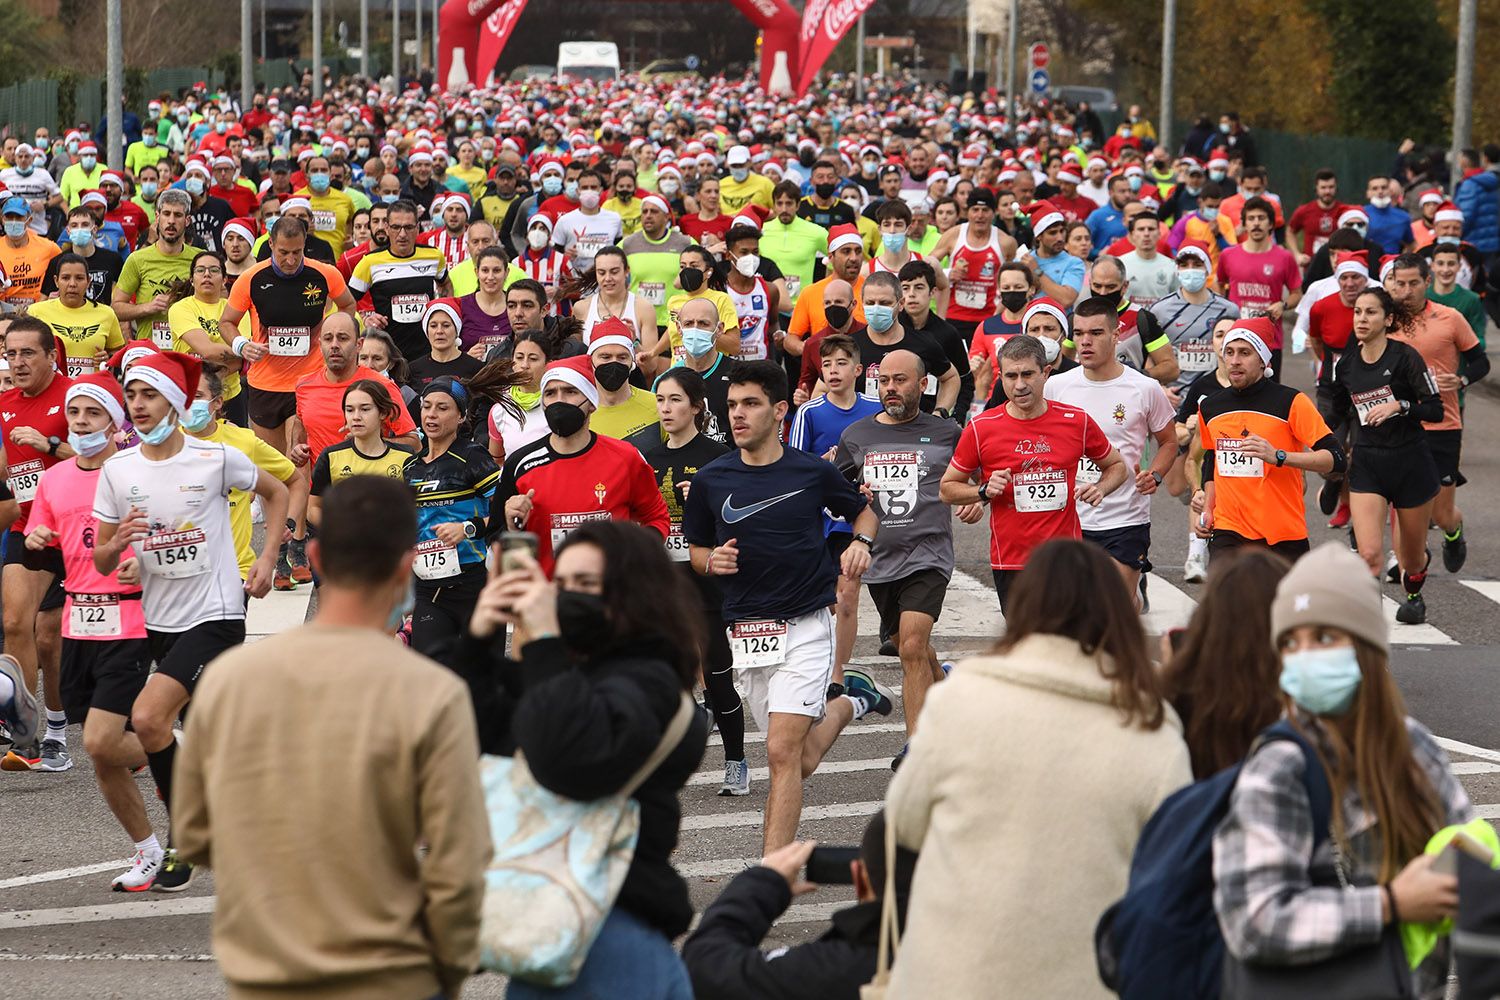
(286, 314)
(1254, 498)
(320, 408)
(25, 266)
(1441, 335)
(807, 315)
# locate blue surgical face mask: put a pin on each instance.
(198, 417)
(15, 228)
(880, 318)
(1448, 240)
(88, 162)
(698, 342)
(194, 185)
(551, 186)
(1322, 681)
(1216, 175)
(159, 433)
(318, 182)
(740, 174)
(149, 139)
(403, 607)
(27, 171)
(1135, 183)
(221, 127)
(570, 188)
(1192, 279)
(893, 242)
(390, 199)
(148, 189)
(88, 445)
(81, 237)
(1208, 214)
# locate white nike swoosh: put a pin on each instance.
(733, 515)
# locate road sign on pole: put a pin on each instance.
(1041, 56)
(1041, 82)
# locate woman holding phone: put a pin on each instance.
(682, 405)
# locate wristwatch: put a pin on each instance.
(944, 412)
(984, 491)
(469, 530)
(52, 443)
(1280, 458)
(1157, 476)
(869, 542)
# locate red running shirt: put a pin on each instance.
(1042, 456)
(48, 414)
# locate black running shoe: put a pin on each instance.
(1455, 551)
(1328, 497)
(175, 874)
(1413, 612)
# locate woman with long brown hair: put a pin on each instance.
(1026, 787)
(1221, 677)
(1287, 894)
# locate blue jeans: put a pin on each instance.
(629, 961)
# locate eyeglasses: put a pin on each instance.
(399, 228)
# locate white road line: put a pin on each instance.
(716, 867)
(64, 873)
(1491, 811)
(827, 767)
(1413, 635)
(1474, 767)
(106, 957)
(111, 911)
(839, 810)
(860, 728)
(1489, 588)
(1469, 749)
(277, 611)
(1171, 607)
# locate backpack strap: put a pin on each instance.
(677, 728)
(1314, 778)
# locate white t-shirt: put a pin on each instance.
(1150, 280)
(38, 186)
(189, 571)
(1130, 408)
(514, 434)
(590, 233)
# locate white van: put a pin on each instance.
(589, 60)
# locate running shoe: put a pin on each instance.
(22, 758)
(1392, 568)
(900, 758)
(1195, 570)
(142, 874)
(1145, 600)
(5, 739)
(947, 669)
(297, 559)
(1455, 551)
(888, 647)
(1340, 519)
(1328, 497)
(20, 712)
(175, 874)
(860, 685)
(736, 778)
(1413, 611)
(282, 580)
(54, 757)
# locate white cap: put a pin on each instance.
(737, 156)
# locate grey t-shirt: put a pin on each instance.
(1190, 329)
(903, 464)
(1150, 280)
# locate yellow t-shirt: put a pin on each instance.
(190, 314)
(634, 421)
(265, 457)
(629, 213)
(81, 333)
(735, 195)
(727, 315)
(473, 176)
(331, 213)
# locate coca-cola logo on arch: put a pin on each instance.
(841, 15)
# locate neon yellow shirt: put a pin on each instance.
(81, 332)
(727, 315)
(264, 456)
(735, 195)
(191, 314)
(331, 214)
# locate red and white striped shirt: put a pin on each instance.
(550, 267)
(454, 247)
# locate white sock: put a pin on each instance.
(149, 845)
(1197, 546)
(7, 687)
(859, 707)
(57, 726)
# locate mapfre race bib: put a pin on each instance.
(1196, 356)
(970, 294)
(408, 308)
(677, 544)
(161, 334)
(289, 341)
(23, 479)
(95, 615)
(564, 524)
(758, 643)
(892, 471)
(1040, 491)
(1233, 460)
(436, 560)
(176, 555)
(654, 292)
(1088, 473)
(1364, 402)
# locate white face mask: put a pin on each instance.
(747, 265)
(537, 238)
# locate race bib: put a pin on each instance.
(23, 479)
(1196, 356)
(677, 545)
(758, 643)
(793, 286)
(1364, 402)
(1233, 459)
(563, 524)
(892, 471)
(929, 385)
(324, 222)
(161, 334)
(436, 560)
(1088, 473)
(872, 380)
(1040, 491)
(78, 367)
(970, 294)
(289, 341)
(654, 292)
(408, 308)
(752, 348)
(177, 555)
(95, 615)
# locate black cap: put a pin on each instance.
(280, 166)
(505, 168)
(981, 196)
(890, 168)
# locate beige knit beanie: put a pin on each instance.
(1331, 586)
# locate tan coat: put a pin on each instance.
(1025, 796)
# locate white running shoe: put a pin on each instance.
(142, 873)
(1195, 569)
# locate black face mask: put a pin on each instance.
(1014, 301)
(825, 191)
(583, 621)
(690, 278)
(565, 419)
(1113, 298)
(807, 158)
(837, 316)
(612, 376)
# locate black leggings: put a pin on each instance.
(718, 681)
(444, 608)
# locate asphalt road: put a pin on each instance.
(64, 935)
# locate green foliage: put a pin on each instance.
(23, 52)
(68, 82)
(1392, 68)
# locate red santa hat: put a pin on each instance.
(1352, 262)
(133, 351)
(1256, 331)
(242, 226)
(846, 235)
(1048, 307)
(173, 374)
(657, 202)
(1448, 212)
(575, 371)
(449, 306)
(102, 388)
(611, 332)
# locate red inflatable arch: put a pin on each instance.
(472, 33)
